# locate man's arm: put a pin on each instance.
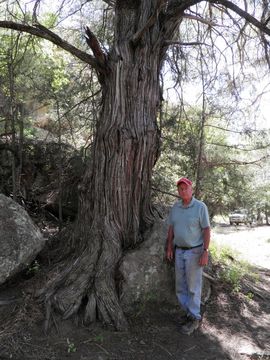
(206, 241)
(169, 244)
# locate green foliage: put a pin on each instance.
(33, 268)
(49, 19)
(231, 269)
(249, 296)
(179, 149)
(71, 346)
(22, 59)
(47, 92)
(30, 132)
(60, 77)
(224, 185)
(233, 276)
(98, 338)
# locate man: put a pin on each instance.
(188, 241)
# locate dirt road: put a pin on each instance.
(250, 243)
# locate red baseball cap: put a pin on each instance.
(184, 180)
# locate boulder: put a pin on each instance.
(147, 275)
(20, 239)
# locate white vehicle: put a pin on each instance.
(240, 216)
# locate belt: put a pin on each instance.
(187, 248)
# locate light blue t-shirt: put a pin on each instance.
(188, 222)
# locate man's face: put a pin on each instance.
(185, 191)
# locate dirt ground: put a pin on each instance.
(235, 326)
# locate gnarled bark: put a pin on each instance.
(115, 192)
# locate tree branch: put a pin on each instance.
(200, 19)
(251, 19)
(165, 192)
(92, 41)
(245, 131)
(36, 6)
(167, 43)
(44, 33)
(239, 147)
(235, 162)
(177, 8)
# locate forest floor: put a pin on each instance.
(234, 326)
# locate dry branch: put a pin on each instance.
(200, 19)
(251, 19)
(194, 43)
(235, 162)
(94, 45)
(177, 9)
(166, 192)
(210, 278)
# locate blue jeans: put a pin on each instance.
(188, 280)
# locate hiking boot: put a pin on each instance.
(190, 326)
(184, 319)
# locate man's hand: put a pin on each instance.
(204, 258)
(169, 253)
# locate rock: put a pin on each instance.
(20, 239)
(147, 275)
(40, 187)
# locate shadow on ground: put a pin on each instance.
(235, 326)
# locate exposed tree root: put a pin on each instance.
(88, 280)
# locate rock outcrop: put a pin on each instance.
(20, 239)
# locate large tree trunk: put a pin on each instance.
(115, 192)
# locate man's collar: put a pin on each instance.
(180, 203)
